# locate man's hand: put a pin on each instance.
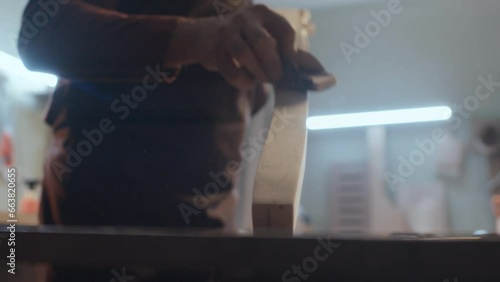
(245, 48)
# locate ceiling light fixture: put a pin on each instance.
(380, 118)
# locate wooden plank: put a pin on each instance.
(22, 219)
(280, 173)
(278, 183)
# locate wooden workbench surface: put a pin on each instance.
(266, 258)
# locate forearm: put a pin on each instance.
(83, 41)
(186, 44)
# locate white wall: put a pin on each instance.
(10, 23)
(430, 54)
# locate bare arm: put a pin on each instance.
(85, 41)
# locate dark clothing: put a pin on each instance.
(129, 148)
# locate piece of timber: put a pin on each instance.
(278, 183)
(261, 258)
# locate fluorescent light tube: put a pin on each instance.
(380, 118)
(15, 66)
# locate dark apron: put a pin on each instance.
(172, 142)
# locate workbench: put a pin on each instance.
(266, 257)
